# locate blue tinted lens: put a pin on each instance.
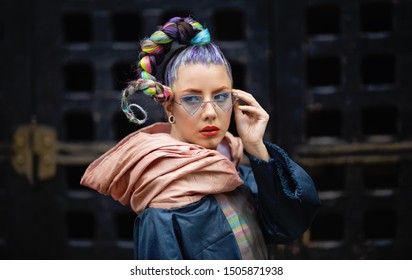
(192, 99)
(192, 103)
(222, 97)
(224, 100)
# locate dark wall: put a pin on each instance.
(334, 75)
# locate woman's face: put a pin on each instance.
(207, 126)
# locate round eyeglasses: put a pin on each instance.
(192, 103)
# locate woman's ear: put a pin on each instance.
(168, 105)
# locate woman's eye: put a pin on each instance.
(192, 99)
(221, 96)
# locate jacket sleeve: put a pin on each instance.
(286, 197)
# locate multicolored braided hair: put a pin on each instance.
(185, 31)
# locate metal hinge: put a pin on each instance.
(34, 152)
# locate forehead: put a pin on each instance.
(201, 77)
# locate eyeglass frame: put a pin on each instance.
(233, 95)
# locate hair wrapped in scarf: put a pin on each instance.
(185, 31)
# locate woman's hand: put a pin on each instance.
(251, 121)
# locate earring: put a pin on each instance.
(171, 119)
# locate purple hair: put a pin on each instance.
(195, 54)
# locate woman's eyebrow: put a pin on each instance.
(193, 90)
(220, 89)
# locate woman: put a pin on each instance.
(193, 198)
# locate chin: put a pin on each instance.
(211, 147)
(210, 143)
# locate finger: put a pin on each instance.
(241, 115)
(254, 111)
(247, 98)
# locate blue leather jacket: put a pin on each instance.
(276, 204)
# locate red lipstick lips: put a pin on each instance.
(209, 131)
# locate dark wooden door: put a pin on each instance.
(343, 93)
(334, 76)
(63, 65)
(52, 95)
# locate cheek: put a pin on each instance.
(184, 121)
(227, 118)
(180, 114)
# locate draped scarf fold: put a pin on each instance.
(149, 168)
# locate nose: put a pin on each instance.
(208, 110)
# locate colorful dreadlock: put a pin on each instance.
(185, 31)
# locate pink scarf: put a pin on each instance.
(149, 168)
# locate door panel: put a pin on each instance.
(65, 70)
(311, 64)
